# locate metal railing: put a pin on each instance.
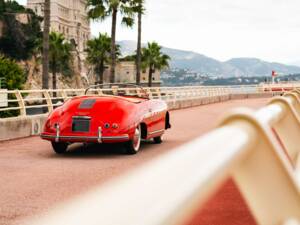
(259, 149)
(28, 102)
(43, 101)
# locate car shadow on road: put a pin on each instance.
(101, 150)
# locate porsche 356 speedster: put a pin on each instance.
(116, 118)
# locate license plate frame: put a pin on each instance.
(81, 124)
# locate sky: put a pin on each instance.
(222, 29)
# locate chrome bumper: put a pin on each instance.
(100, 139)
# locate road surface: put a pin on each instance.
(34, 179)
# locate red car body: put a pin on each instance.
(106, 119)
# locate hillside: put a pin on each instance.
(253, 66)
(208, 66)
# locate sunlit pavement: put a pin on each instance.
(34, 178)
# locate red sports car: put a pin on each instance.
(119, 118)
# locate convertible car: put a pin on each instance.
(117, 118)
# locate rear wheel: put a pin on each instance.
(158, 140)
(133, 146)
(59, 147)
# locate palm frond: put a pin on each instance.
(128, 21)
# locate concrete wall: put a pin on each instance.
(13, 128)
(20, 127)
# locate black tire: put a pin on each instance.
(59, 147)
(133, 146)
(158, 140)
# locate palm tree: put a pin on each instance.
(153, 59)
(59, 55)
(98, 51)
(140, 10)
(2, 9)
(45, 58)
(101, 9)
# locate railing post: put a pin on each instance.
(115, 90)
(288, 127)
(48, 100)
(21, 103)
(138, 92)
(158, 93)
(64, 94)
(149, 92)
(81, 92)
(265, 177)
(99, 91)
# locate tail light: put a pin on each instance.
(115, 126)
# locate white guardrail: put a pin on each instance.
(42, 101)
(3, 98)
(263, 157)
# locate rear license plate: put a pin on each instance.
(81, 125)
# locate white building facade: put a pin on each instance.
(68, 17)
(126, 73)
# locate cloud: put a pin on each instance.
(268, 29)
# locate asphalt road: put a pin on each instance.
(34, 179)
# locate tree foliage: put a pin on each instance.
(12, 73)
(153, 59)
(19, 39)
(98, 53)
(60, 56)
(102, 9)
(14, 78)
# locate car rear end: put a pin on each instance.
(91, 120)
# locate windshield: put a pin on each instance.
(116, 89)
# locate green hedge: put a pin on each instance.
(14, 77)
(12, 73)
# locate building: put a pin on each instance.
(68, 17)
(126, 73)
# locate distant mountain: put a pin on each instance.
(200, 63)
(253, 66)
(295, 63)
(212, 67)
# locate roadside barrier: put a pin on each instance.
(262, 157)
(33, 102)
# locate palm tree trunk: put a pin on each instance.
(97, 72)
(101, 71)
(45, 57)
(113, 45)
(150, 76)
(54, 80)
(138, 51)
